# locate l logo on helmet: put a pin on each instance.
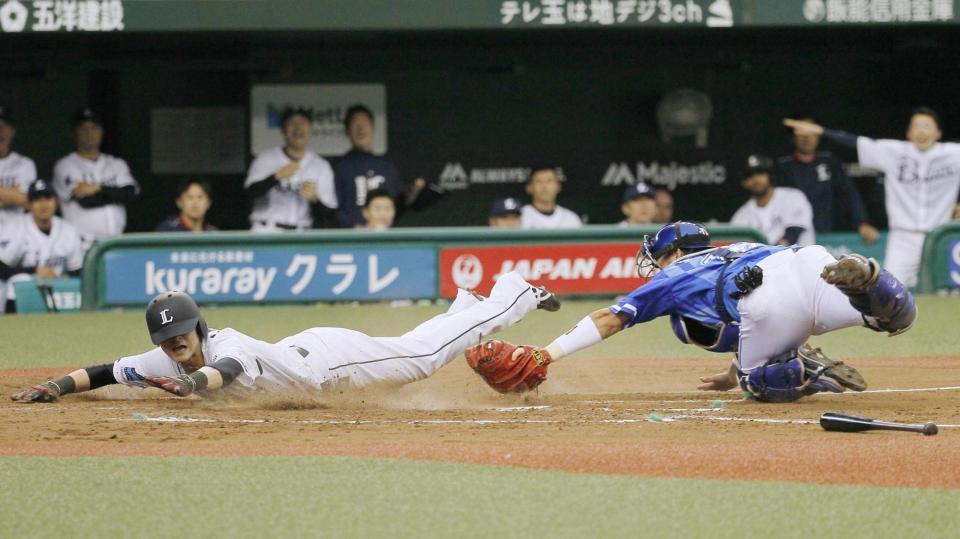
(165, 318)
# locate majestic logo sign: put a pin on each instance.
(165, 318)
(669, 174)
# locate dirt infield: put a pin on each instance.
(594, 416)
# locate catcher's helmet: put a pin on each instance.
(174, 313)
(684, 235)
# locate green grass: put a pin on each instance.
(360, 497)
(85, 338)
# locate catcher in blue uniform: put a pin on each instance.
(758, 301)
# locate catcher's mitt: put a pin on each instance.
(509, 368)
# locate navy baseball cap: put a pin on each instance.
(756, 164)
(40, 188)
(639, 190)
(503, 206)
(86, 114)
(5, 115)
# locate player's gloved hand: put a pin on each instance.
(48, 392)
(180, 385)
(749, 279)
(509, 368)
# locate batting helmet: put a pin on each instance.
(683, 235)
(174, 313)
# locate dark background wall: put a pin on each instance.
(579, 99)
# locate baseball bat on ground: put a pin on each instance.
(851, 423)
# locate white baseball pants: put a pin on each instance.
(792, 304)
(342, 355)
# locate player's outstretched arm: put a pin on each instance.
(210, 377)
(75, 382)
(599, 325)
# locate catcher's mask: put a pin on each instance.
(174, 313)
(684, 235)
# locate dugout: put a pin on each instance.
(468, 95)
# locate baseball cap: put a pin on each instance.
(756, 164)
(503, 206)
(40, 188)
(86, 114)
(5, 115)
(637, 191)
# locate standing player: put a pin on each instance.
(286, 182)
(359, 172)
(543, 186)
(760, 302)
(41, 245)
(191, 358)
(782, 214)
(93, 187)
(921, 183)
(17, 172)
(820, 175)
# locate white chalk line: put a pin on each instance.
(626, 421)
(693, 414)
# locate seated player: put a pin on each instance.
(189, 357)
(379, 210)
(760, 302)
(193, 201)
(39, 244)
(505, 213)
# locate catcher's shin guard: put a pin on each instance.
(885, 303)
(799, 373)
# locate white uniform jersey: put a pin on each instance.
(788, 207)
(921, 187)
(561, 217)
(265, 366)
(283, 204)
(109, 171)
(15, 171)
(26, 245)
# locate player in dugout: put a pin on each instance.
(921, 186)
(191, 358)
(756, 301)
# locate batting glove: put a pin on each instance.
(48, 392)
(180, 385)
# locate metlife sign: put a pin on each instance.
(270, 274)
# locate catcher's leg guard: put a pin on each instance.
(798, 373)
(885, 302)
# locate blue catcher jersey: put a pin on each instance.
(688, 286)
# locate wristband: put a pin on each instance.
(583, 335)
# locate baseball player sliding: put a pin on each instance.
(760, 302)
(190, 357)
(922, 183)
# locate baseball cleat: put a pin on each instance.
(546, 300)
(835, 375)
(852, 273)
